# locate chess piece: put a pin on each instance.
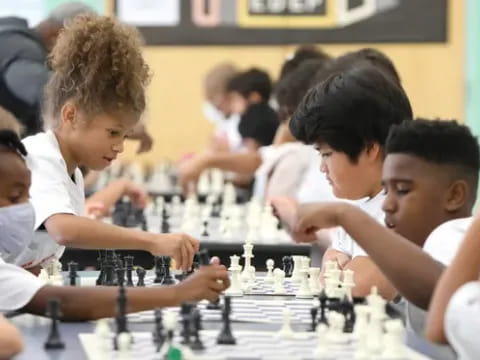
(185, 312)
(297, 266)
(158, 336)
(168, 278)
(314, 280)
(141, 276)
(72, 273)
(335, 333)
(101, 274)
(361, 320)
(205, 229)
(323, 307)
(313, 315)
(53, 311)
(248, 255)
(304, 291)
(278, 280)
(270, 264)
(159, 269)
(348, 283)
(124, 341)
(287, 265)
(121, 318)
(225, 337)
(196, 319)
(102, 334)
(109, 267)
(235, 288)
(129, 266)
(321, 351)
(393, 339)
(286, 331)
(120, 272)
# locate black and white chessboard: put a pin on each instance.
(251, 345)
(247, 310)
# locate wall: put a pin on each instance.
(433, 76)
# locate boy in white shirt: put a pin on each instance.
(94, 98)
(430, 177)
(347, 117)
(20, 290)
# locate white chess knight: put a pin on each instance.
(270, 266)
(286, 331)
(235, 288)
(278, 282)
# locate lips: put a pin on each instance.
(389, 223)
(109, 159)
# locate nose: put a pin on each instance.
(323, 166)
(389, 204)
(118, 147)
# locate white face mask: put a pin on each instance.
(213, 115)
(16, 229)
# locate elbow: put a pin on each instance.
(60, 230)
(13, 346)
(435, 335)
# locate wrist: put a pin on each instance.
(340, 212)
(149, 241)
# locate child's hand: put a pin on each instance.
(189, 171)
(334, 255)
(313, 217)
(206, 283)
(286, 209)
(181, 247)
(94, 210)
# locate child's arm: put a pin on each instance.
(10, 339)
(90, 303)
(244, 163)
(409, 269)
(109, 195)
(83, 233)
(465, 267)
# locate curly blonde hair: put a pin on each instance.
(98, 64)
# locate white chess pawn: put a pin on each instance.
(124, 342)
(304, 292)
(394, 347)
(321, 351)
(278, 280)
(314, 280)
(286, 331)
(102, 336)
(270, 265)
(361, 320)
(348, 283)
(335, 333)
(374, 340)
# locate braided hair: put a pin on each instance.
(10, 141)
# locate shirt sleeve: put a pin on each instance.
(286, 176)
(462, 320)
(17, 287)
(48, 193)
(341, 241)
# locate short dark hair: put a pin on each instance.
(365, 56)
(290, 90)
(259, 122)
(440, 142)
(252, 80)
(350, 111)
(301, 54)
(9, 141)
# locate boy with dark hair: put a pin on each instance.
(249, 87)
(348, 117)
(429, 177)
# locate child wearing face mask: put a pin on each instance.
(93, 100)
(20, 290)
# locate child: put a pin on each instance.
(430, 177)
(10, 339)
(19, 289)
(348, 117)
(95, 96)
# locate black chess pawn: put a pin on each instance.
(54, 312)
(141, 276)
(72, 273)
(159, 269)
(129, 267)
(313, 314)
(323, 307)
(287, 262)
(225, 337)
(197, 343)
(205, 229)
(168, 278)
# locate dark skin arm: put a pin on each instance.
(91, 303)
(409, 269)
(464, 268)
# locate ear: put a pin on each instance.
(254, 98)
(456, 196)
(69, 115)
(374, 151)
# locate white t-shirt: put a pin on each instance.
(343, 242)
(462, 321)
(17, 286)
(442, 244)
(52, 192)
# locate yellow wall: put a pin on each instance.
(433, 76)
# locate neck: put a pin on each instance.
(67, 154)
(376, 186)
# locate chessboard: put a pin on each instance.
(246, 310)
(250, 345)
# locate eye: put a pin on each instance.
(325, 154)
(384, 190)
(113, 132)
(402, 189)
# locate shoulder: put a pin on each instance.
(442, 244)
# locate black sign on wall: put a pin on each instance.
(262, 22)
